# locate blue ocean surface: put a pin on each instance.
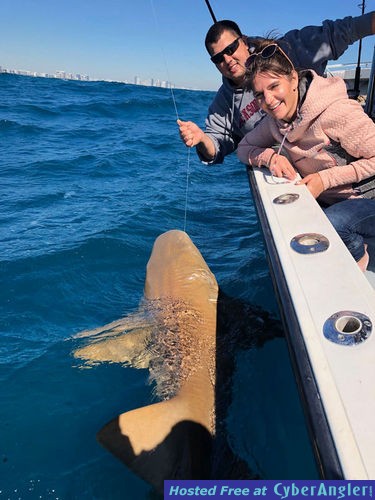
(91, 174)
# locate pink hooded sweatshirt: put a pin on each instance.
(327, 122)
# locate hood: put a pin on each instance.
(228, 85)
(320, 95)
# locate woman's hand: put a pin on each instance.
(280, 166)
(314, 184)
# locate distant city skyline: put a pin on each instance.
(57, 74)
(343, 70)
(64, 75)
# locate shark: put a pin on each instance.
(184, 332)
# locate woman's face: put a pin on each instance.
(277, 94)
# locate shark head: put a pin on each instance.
(177, 269)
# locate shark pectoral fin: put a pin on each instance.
(128, 348)
(158, 442)
(131, 322)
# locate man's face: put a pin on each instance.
(231, 66)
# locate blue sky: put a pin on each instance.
(118, 39)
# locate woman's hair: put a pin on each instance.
(266, 60)
(217, 29)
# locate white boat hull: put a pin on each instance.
(333, 356)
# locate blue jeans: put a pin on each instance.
(354, 221)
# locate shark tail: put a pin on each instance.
(160, 441)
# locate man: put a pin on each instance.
(234, 111)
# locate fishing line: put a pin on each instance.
(187, 187)
(165, 60)
(177, 116)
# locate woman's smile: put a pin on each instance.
(277, 94)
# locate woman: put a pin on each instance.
(323, 135)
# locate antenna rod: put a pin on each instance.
(358, 68)
(211, 11)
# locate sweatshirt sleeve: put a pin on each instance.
(313, 46)
(219, 128)
(255, 148)
(349, 125)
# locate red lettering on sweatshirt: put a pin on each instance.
(248, 111)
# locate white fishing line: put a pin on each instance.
(187, 187)
(176, 111)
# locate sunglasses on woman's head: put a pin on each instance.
(266, 53)
(229, 50)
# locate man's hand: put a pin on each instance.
(190, 133)
(192, 136)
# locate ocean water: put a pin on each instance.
(91, 173)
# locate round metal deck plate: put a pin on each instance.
(308, 243)
(347, 328)
(286, 198)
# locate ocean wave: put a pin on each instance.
(14, 127)
(127, 107)
(37, 111)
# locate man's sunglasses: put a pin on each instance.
(266, 53)
(229, 50)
